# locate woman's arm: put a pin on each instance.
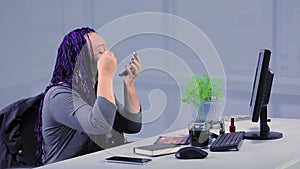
(129, 118)
(132, 102)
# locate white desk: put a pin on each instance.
(281, 153)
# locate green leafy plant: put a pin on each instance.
(202, 89)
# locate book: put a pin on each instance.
(176, 140)
(156, 149)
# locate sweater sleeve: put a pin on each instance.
(69, 109)
(127, 121)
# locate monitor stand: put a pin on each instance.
(257, 136)
(264, 133)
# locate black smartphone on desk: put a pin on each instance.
(128, 160)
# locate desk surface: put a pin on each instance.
(281, 153)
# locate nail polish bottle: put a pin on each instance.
(232, 126)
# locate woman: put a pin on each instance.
(78, 114)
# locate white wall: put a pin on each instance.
(31, 31)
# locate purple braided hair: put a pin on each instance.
(74, 68)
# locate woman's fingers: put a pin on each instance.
(137, 64)
(107, 63)
(135, 69)
(129, 71)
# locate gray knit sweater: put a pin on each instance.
(67, 120)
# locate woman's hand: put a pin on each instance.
(107, 64)
(132, 103)
(133, 70)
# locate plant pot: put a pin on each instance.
(212, 111)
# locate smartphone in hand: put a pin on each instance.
(125, 73)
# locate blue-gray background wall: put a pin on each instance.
(31, 30)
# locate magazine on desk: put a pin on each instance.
(176, 140)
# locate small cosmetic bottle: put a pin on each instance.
(232, 126)
(222, 126)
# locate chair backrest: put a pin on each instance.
(26, 152)
(18, 142)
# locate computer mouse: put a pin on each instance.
(191, 153)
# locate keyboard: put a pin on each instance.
(228, 141)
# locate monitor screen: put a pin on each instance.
(259, 100)
(262, 81)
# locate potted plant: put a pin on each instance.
(206, 95)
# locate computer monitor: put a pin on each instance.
(261, 92)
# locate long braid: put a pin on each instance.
(75, 69)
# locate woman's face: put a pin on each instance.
(98, 44)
